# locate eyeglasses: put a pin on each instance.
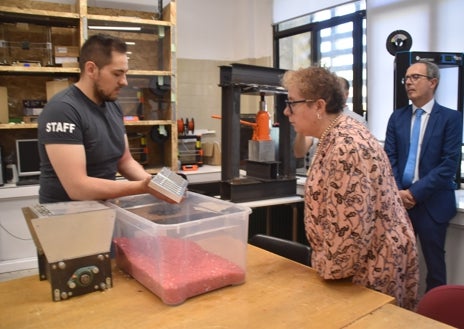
(414, 77)
(291, 103)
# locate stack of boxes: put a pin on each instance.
(67, 56)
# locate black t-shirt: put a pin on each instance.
(72, 118)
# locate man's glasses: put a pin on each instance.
(414, 77)
(291, 103)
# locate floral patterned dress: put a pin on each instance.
(354, 218)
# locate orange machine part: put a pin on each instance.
(262, 132)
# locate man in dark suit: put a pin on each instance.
(429, 195)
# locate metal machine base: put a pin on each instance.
(252, 189)
(265, 170)
(78, 276)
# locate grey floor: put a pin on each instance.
(17, 274)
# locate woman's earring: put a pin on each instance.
(318, 116)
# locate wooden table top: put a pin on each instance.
(278, 293)
(394, 317)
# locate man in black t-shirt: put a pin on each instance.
(82, 139)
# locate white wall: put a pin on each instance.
(286, 9)
(224, 29)
(432, 25)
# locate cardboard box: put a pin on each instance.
(70, 64)
(30, 118)
(67, 61)
(178, 251)
(56, 86)
(211, 153)
(66, 51)
(4, 118)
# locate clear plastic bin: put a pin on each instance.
(178, 251)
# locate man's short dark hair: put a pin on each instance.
(98, 48)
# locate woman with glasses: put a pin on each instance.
(305, 146)
(354, 219)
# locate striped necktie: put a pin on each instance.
(410, 167)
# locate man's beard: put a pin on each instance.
(102, 96)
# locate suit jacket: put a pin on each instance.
(438, 160)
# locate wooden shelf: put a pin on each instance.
(149, 73)
(38, 16)
(42, 14)
(4, 126)
(126, 21)
(68, 25)
(38, 70)
(148, 123)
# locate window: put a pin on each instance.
(334, 38)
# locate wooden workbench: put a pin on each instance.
(394, 317)
(278, 293)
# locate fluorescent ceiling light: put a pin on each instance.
(115, 28)
(130, 43)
